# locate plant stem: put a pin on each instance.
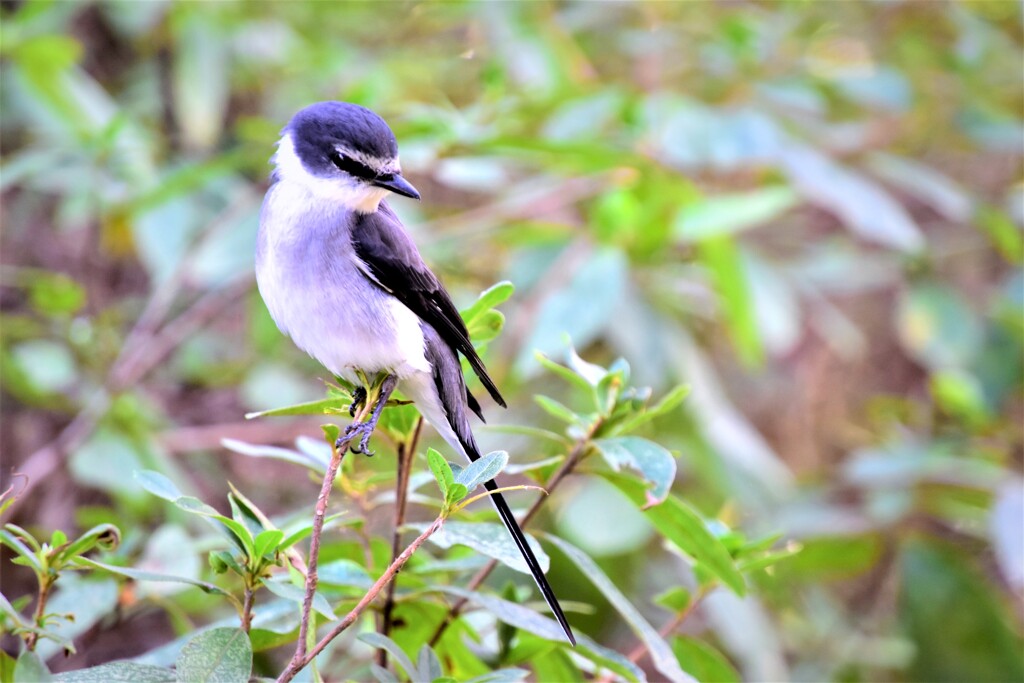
(298, 663)
(575, 455)
(247, 603)
(641, 649)
(337, 454)
(406, 453)
(45, 583)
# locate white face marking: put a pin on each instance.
(349, 192)
(381, 167)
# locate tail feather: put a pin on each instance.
(445, 404)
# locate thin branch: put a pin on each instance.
(578, 451)
(406, 453)
(297, 664)
(247, 604)
(641, 649)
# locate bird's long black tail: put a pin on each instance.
(509, 520)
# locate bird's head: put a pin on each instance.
(342, 152)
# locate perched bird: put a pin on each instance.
(340, 276)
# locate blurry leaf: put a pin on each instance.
(526, 619)
(1006, 532)
(674, 599)
(958, 621)
(380, 641)
(501, 676)
(428, 665)
(731, 213)
(864, 207)
(344, 573)
(270, 384)
(654, 464)
(89, 600)
(592, 373)
(304, 458)
(660, 652)
(473, 174)
(119, 672)
(703, 662)
(575, 379)
(482, 470)
(580, 309)
(667, 404)
(937, 327)
(831, 558)
(106, 536)
(602, 521)
(104, 460)
(142, 575)
(169, 552)
(556, 409)
(48, 365)
(55, 294)
(925, 184)
(381, 674)
(722, 258)
(30, 668)
(880, 86)
(289, 591)
(679, 523)
(1000, 230)
(220, 655)
(225, 253)
(490, 539)
(200, 79)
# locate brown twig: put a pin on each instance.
(297, 664)
(641, 649)
(247, 604)
(406, 453)
(38, 617)
(575, 455)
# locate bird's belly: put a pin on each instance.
(343, 320)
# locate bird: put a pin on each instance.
(340, 275)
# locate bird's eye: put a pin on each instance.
(352, 167)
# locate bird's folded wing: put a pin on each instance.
(394, 263)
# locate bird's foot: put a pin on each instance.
(357, 435)
(358, 399)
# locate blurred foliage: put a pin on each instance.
(809, 213)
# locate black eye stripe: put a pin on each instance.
(354, 168)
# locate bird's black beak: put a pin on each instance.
(399, 185)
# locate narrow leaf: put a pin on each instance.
(490, 539)
(661, 654)
(382, 642)
(482, 470)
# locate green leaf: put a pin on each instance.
(653, 463)
(501, 676)
(724, 262)
(382, 642)
(978, 644)
(495, 295)
(456, 493)
(679, 523)
(442, 471)
(119, 672)
(344, 573)
(220, 655)
(331, 433)
(22, 550)
(140, 575)
(728, 214)
(667, 404)
(675, 599)
(490, 539)
(544, 627)
(570, 376)
(704, 662)
(307, 458)
(31, 669)
(661, 654)
(104, 536)
(332, 405)
(557, 410)
(266, 542)
(482, 470)
(381, 674)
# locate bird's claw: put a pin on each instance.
(358, 399)
(362, 431)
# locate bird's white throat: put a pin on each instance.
(348, 192)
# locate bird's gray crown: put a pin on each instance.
(331, 135)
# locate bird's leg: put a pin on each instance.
(363, 430)
(358, 399)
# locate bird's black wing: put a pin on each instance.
(395, 264)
